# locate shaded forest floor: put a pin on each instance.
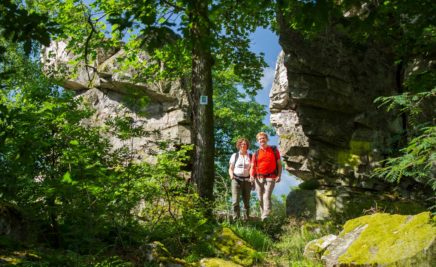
(279, 242)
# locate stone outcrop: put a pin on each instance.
(116, 92)
(322, 106)
(379, 239)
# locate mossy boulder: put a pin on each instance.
(383, 239)
(217, 262)
(232, 247)
(315, 248)
(157, 253)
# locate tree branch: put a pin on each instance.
(176, 8)
(88, 40)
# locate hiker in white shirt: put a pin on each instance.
(239, 171)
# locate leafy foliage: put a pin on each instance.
(164, 29)
(81, 194)
(28, 26)
(417, 159)
(415, 105)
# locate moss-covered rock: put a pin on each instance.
(383, 239)
(315, 248)
(230, 246)
(157, 253)
(217, 262)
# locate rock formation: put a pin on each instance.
(322, 106)
(379, 240)
(116, 93)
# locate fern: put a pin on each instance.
(417, 160)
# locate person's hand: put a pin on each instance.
(232, 177)
(252, 179)
(278, 179)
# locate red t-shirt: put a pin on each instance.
(266, 162)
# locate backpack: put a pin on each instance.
(274, 148)
(237, 156)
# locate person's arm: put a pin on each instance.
(279, 174)
(279, 167)
(252, 169)
(231, 166)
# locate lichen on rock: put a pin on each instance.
(217, 262)
(383, 239)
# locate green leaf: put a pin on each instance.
(74, 142)
(67, 178)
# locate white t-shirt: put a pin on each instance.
(242, 166)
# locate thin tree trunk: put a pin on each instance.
(399, 78)
(203, 173)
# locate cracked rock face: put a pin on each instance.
(113, 92)
(322, 108)
(331, 133)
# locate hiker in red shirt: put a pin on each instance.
(266, 170)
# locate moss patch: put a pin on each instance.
(161, 254)
(314, 249)
(388, 238)
(360, 147)
(346, 158)
(233, 247)
(216, 262)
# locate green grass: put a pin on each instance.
(255, 237)
(288, 250)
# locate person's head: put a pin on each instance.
(262, 138)
(242, 143)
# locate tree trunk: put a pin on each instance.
(203, 173)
